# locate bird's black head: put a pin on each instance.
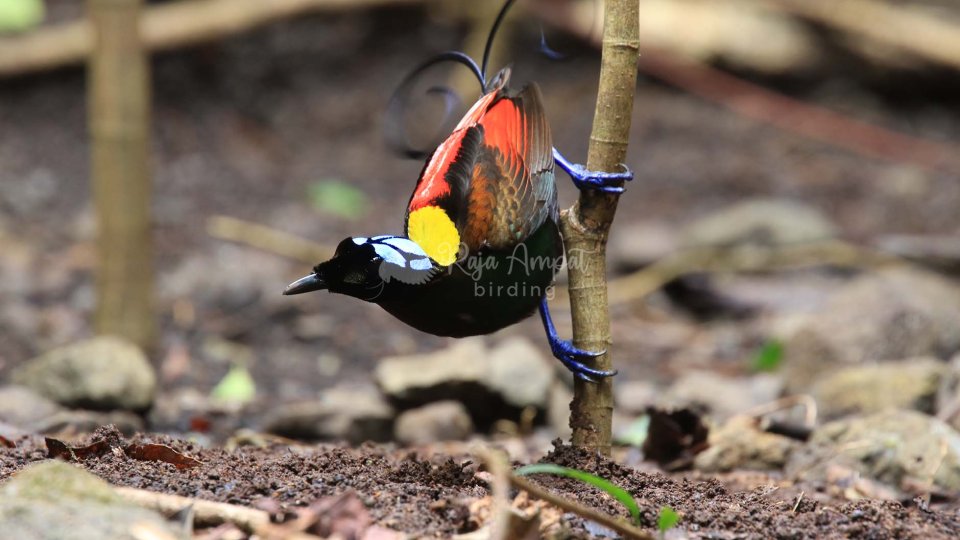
(365, 267)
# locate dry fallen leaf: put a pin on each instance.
(58, 449)
(143, 452)
(160, 452)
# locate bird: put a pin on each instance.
(481, 243)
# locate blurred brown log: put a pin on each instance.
(701, 28)
(119, 119)
(728, 32)
(163, 27)
(903, 25)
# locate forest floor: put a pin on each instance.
(248, 127)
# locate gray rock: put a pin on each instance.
(908, 384)
(75, 421)
(765, 222)
(892, 314)
(440, 421)
(53, 500)
(353, 414)
(739, 444)
(636, 245)
(23, 407)
(491, 384)
(520, 373)
(722, 396)
(948, 396)
(936, 252)
(634, 397)
(173, 409)
(102, 373)
(890, 446)
(444, 374)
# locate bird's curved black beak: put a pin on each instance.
(305, 284)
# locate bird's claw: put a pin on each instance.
(583, 178)
(606, 182)
(572, 358)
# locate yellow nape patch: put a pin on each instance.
(433, 230)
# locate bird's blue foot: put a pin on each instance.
(606, 182)
(571, 356)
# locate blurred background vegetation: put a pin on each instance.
(757, 122)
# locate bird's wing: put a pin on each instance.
(490, 184)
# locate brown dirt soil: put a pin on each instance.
(431, 496)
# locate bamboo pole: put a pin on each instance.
(586, 224)
(119, 119)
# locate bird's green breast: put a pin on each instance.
(487, 291)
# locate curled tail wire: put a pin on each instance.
(395, 134)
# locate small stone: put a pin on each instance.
(520, 373)
(739, 444)
(907, 384)
(891, 314)
(891, 446)
(722, 396)
(23, 407)
(53, 500)
(353, 414)
(440, 421)
(102, 373)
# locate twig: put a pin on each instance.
(809, 408)
(587, 512)
(166, 26)
(267, 239)
(797, 504)
(206, 513)
(647, 280)
(500, 471)
(585, 225)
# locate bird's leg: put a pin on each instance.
(606, 182)
(571, 356)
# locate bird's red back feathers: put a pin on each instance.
(490, 183)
